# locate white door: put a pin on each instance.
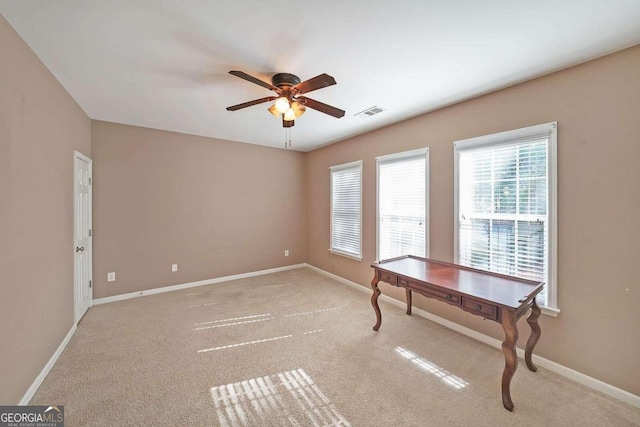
(83, 265)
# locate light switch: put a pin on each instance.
(174, 267)
(111, 277)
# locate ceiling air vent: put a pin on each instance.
(369, 112)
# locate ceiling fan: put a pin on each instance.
(289, 103)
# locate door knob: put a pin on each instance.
(79, 249)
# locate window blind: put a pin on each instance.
(346, 210)
(503, 208)
(402, 205)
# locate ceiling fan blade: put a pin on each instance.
(318, 82)
(250, 103)
(323, 108)
(252, 79)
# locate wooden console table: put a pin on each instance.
(503, 299)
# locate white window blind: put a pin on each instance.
(402, 204)
(346, 209)
(504, 206)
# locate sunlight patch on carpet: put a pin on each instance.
(291, 398)
(222, 325)
(432, 368)
(242, 344)
(233, 319)
(205, 304)
(311, 312)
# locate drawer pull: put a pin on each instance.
(478, 307)
(403, 282)
(448, 296)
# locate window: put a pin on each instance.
(403, 222)
(505, 212)
(346, 210)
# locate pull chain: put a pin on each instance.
(287, 138)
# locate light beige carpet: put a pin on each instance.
(296, 349)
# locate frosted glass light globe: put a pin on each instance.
(282, 105)
(290, 115)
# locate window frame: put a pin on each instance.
(546, 130)
(355, 164)
(396, 157)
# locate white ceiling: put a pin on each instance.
(164, 63)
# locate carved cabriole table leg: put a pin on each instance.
(374, 301)
(532, 320)
(409, 304)
(510, 357)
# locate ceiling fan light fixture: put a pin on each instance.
(273, 111)
(298, 108)
(290, 114)
(288, 123)
(282, 105)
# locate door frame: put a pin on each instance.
(77, 155)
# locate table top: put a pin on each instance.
(504, 290)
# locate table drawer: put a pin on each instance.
(445, 296)
(391, 279)
(480, 308)
(404, 282)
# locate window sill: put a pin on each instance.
(550, 311)
(346, 255)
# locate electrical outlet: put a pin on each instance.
(286, 252)
(111, 277)
(174, 267)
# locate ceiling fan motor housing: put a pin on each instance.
(284, 79)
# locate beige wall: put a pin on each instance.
(597, 106)
(214, 207)
(40, 127)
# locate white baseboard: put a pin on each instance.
(153, 291)
(576, 376)
(45, 371)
